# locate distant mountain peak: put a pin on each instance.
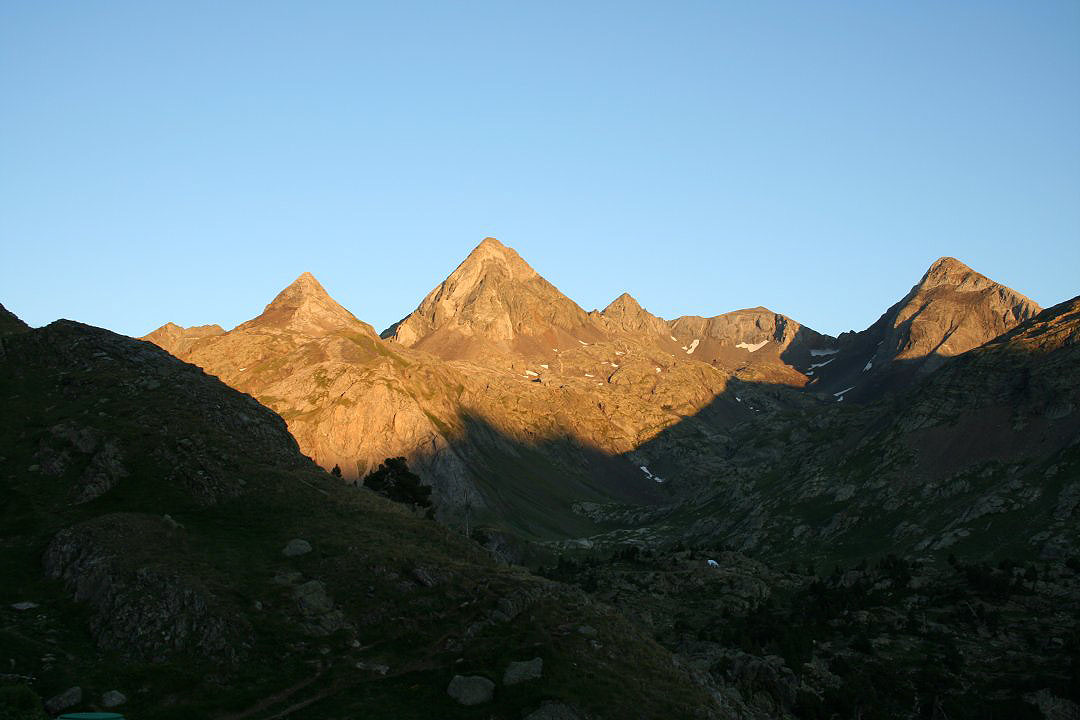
(624, 301)
(490, 254)
(626, 314)
(493, 296)
(305, 307)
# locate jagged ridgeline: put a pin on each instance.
(531, 416)
(167, 549)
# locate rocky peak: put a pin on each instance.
(494, 296)
(951, 310)
(626, 314)
(305, 307)
(950, 272)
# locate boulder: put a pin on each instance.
(70, 697)
(296, 547)
(519, 672)
(471, 689)
(113, 698)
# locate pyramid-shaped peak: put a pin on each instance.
(306, 282)
(623, 303)
(305, 306)
(948, 272)
(493, 296)
(947, 266)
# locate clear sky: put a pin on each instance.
(184, 161)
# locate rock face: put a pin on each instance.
(471, 689)
(494, 302)
(951, 310)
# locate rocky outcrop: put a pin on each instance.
(178, 340)
(146, 612)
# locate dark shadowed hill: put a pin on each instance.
(162, 536)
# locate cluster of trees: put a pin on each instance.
(394, 480)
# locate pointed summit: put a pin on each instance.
(625, 314)
(623, 303)
(951, 310)
(306, 308)
(492, 302)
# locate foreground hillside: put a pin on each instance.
(162, 537)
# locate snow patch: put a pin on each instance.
(754, 347)
(530, 372)
(614, 365)
(544, 366)
(619, 352)
(588, 375)
(817, 365)
(840, 395)
(713, 563)
(819, 353)
(673, 338)
(869, 364)
(657, 369)
(649, 475)
(583, 342)
(693, 346)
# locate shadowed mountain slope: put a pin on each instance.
(9, 323)
(980, 458)
(152, 518)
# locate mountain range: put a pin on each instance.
(720, 517)
(496, 365)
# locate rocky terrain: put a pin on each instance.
(167, 551)
(727, 516)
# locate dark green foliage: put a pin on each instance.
(336, 472)
(394, 480)
(18, 702)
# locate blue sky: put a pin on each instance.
(184, 161)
